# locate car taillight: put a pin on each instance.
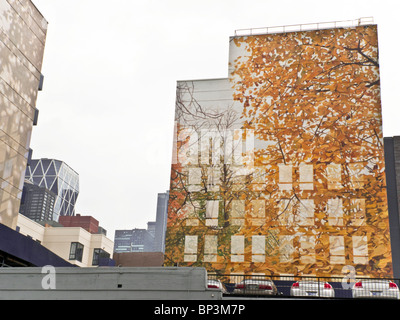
(240, 286)
(295, 285)
(327, 286)
(264, 287)
(213, 286)
(392, 285)
(358, 284)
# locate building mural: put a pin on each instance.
(279, 168)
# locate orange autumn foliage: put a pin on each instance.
(314, 96)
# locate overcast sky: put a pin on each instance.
(110, 67)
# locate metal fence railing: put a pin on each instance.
(304, 27)
(306, 286)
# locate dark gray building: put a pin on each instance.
(151, 227)
(37, 203)
(142, 240)
(392, 163)
(135, 240)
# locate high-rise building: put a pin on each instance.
(142, 240)
(135, 240)
(161, 222)
(58, 177)
(279, 168)
(37, 203)
(151, 227)
(22, 42)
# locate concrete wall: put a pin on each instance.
(105, 283)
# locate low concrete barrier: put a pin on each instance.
(105, 283)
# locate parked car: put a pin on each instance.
(306, 288)
(216, 284)
(256, 287)
(375, 288)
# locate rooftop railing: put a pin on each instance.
(305, 27)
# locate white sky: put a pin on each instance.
(110, 67)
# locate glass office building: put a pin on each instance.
(161, 222)
(37, 203)
(59, 178)
(135, 240)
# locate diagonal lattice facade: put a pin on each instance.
(59, 178)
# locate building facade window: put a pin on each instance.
(97, 254)
(190, 254)
(76, 251)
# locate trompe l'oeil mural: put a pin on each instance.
(279, 168)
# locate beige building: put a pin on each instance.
(73, 244)
(22, 42)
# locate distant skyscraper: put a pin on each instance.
(59, 178)
(161, 222)
(37, 203)
(135, 240)
(151, 227)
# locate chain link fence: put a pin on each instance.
(347, 287)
